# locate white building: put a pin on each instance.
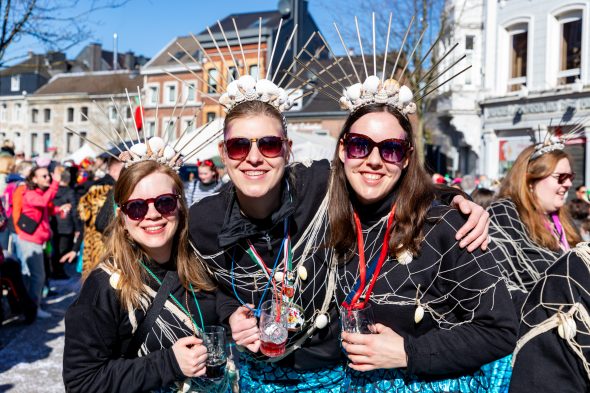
(534, 75)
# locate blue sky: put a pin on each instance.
(145, 26)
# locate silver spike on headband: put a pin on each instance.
(157, 147)
(376, 89)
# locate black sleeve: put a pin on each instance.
(547, 363)
(95, 326)
(226, 304)
(106, 213)
(475, 292)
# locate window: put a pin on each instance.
(70, 115)
(34, 115)
(69, 142)
(33, 144)
(17, 112)
(570, 54)
(15, 83)
(83, 135)
(254, 71)
(210, 116)
(518, 59)
(153, 94)
(112, 113)
(212, 82)
(3, 112)
(151, 128)
(188, 125)
(190, 91)
(46, 115)
(84, 113)
(46, 142)
(171, 94)
(469, 42)
(232, 74)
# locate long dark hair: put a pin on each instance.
(414, 196)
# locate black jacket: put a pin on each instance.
(547, 363)
(98, 332)
(71, 222)
(462, 286)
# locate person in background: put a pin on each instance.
(207, 182)
(530, 227)
(483, 197)
(88, 208)
(65, 227)
(6, 168)
(582, 193)
(36, 208)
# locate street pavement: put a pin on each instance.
(31, 355)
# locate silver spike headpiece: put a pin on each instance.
(157, 147)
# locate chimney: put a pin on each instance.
(115, 52)
(129, 60)
(95, 56)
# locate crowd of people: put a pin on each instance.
(53, 216)
(359, 274)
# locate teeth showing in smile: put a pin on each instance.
(153, 229)
(254, 173)
(372, 176)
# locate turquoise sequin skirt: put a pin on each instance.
(491, 378)
(263, 377)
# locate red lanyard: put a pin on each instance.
(354, 303)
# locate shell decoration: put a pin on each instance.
(372, 91)
(321, 321)
(246, 88)
(302, 272)
(567, 328)
(279, 276)
(404, 257)
(115, 279)
(418, 314)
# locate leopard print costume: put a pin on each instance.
(88, 208)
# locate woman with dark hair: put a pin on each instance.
(530, 228)
(33, 229)
(443, 317)
(137, 324)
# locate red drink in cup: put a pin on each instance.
(273, 328)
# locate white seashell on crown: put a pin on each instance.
(372, 91)
(154, 150)
(246, 88)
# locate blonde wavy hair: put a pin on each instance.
(123, 255)
(518, 185)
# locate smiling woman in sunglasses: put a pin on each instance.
(441, 316)
(530, 226)
(136, 323)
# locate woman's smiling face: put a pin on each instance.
(371, 177)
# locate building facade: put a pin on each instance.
(530, 74)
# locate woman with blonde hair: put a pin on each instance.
(137, 324)
(530, 227)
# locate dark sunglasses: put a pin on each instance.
(269, 146)
(391, 150)
(563, 177)
(136, 209)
